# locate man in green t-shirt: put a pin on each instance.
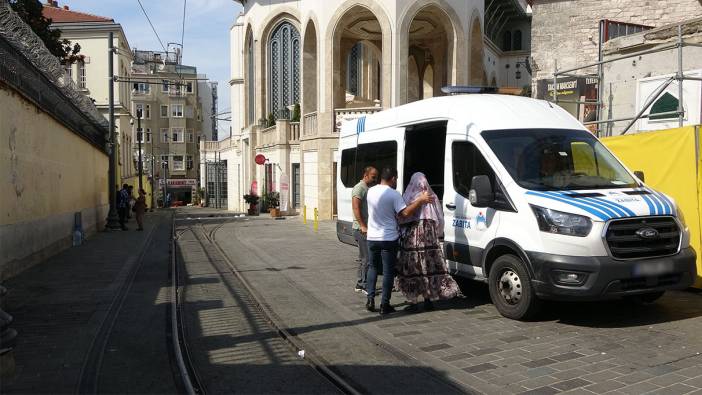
(360, 222)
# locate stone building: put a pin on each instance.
(167, 94)
(90, 72)
(590, 24)
(299, 68)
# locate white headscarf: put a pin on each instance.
(418, 184)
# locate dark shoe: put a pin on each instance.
(370, 304)
(428, 305)
(359, 288)
(413, 308)
(386, 309)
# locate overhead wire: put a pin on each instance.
(152, 25)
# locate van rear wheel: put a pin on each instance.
(510, 289)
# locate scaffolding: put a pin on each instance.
(679, 76)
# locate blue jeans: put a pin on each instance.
(381, 253)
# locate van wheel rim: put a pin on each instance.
(510, 287)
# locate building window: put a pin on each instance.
(177, 135)
(147, 111)
(354, 67)
(250, 81)
(148, 135)
(178, 162)
(141, 88)
(189, 87)
(164, 161)
(164, 86)
(82, 77)
(665, 103)
(189, 160)
(284, 55)
(517, 40)
(164, 135)
(507, 41)
(177, 110)
(68, 68)
(296, 185)
(191, 138)
(164, 111)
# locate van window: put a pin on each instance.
(550, 159)
(467, 163)
(354, 160)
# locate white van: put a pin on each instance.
(534, 204)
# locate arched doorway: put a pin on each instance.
(431, 45)
(309, 69)
(358, 58)
(477, 68)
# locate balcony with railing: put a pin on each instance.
(294, 132)
(348, 114)
(309, 124)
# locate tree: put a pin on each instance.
(31, 13)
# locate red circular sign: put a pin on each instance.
(260, 159)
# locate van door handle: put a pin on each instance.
(450, 206)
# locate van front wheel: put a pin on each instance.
(510, 288)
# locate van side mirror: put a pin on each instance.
(640, 175)
(480, 194)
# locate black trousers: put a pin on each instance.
(123, 212)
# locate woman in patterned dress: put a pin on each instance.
(421, 269)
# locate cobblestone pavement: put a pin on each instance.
(611, 347)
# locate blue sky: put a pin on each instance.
(206, 43)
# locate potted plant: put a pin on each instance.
(252, 200)
(273, 203)
(296, 113)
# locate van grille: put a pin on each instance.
(626, 238)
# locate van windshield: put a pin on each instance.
(548, 159)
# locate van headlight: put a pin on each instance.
(553, 221)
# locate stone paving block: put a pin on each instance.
(570, 374)
(567, 356)
(539, 362)
(676, 389)
(578, 391)
(508, 379)
(567, 365)
(635, 377)
(485, 351)
(537, 382)
(667, 379)
(604, 386)
(695, 382)
(541, 371)
(456, 357)
(661, 370)
(407, 333)
(639, 388)
(512, 339)
(601, 376)
(690, 372)
(479, 368)
(598, 367)
(568, 385)
(541, 391)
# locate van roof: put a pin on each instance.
(484, 111)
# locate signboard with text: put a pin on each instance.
(182, 182)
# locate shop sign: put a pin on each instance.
(180, 182)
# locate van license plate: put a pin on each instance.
(650, 269)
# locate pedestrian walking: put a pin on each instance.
(421, 269)
(360, 222)
(140, 209)
(132, 200)
(123, 206)
(385, 205)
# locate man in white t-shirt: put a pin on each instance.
(385, 204)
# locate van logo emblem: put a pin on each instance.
(647, 233)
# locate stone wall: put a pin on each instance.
(567, 30)
(49, 174)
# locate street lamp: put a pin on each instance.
(140, 136)
(112, 217)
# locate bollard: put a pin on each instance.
(304, 215)
(316, 219)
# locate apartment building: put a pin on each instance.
(166, 93)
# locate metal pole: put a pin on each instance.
(153, 171)
(140, 136)
(680, 77)
(598, 108)
(112, 217)
(555, 81)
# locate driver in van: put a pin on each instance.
(553, 170)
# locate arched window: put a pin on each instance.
(665, 103)
(354, 67)
(284, 55)
(507, 41)
(517, 41)
(251, 86)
